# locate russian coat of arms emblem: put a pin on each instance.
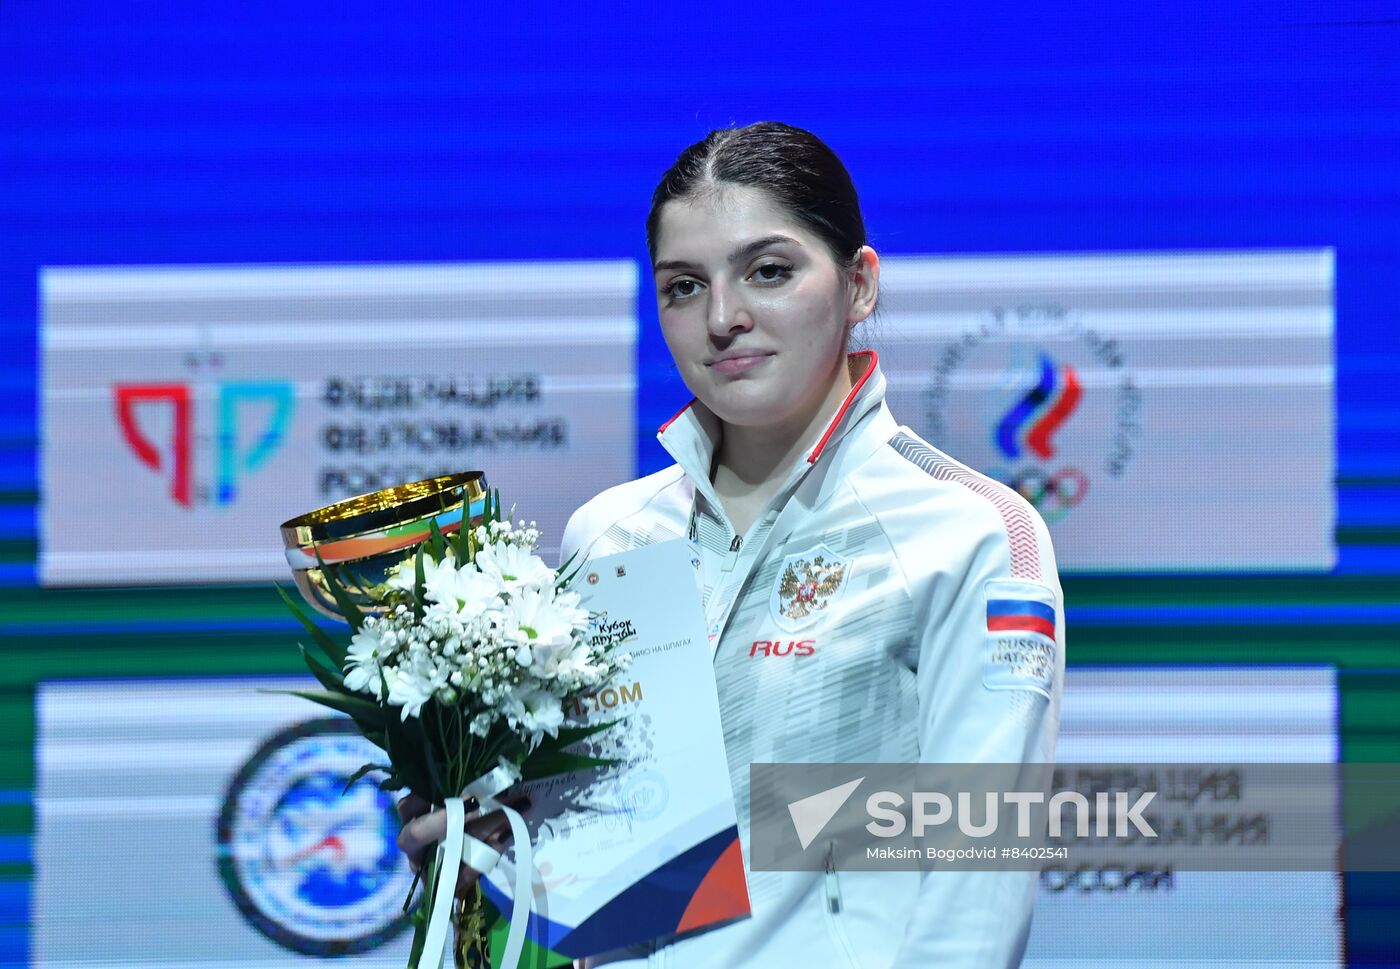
(806, 585)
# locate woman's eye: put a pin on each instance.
(681, 288)
(772, 272)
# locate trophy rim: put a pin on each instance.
(377, 510)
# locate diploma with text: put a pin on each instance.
(647, 847)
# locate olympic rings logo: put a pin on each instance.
(1053, 494)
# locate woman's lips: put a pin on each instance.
(729, 366)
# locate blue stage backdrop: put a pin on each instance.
(254, 259)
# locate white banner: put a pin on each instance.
(188, 411)
(1164, 412)
(1116, 918)
(145, 788)
(201, 823)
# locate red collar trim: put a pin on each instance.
(830, 428)
(845, 404)
(675, 417)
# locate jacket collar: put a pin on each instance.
(693, 434)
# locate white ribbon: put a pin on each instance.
(460, 846)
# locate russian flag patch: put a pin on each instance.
(1020, 615)
(1021, 650)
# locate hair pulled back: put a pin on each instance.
(794, 167)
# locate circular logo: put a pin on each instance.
(1057, 409)
(314, 870)
(1053, 493)
(646, 795)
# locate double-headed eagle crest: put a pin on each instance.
(807, 585)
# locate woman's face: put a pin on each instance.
(754, 308)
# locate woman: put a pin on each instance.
(820, 520)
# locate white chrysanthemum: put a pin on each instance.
(414, 681)
(538, 710)
(362, 660)
(541, 626)
(465, 592)
(514, 568)
(581, 663)
(401, 577)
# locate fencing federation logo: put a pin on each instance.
(315, 871)
(807, 583)
(157, 421)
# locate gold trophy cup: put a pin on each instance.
(363, 537)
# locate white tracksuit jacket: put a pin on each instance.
(896, 665)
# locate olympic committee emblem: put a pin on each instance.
(807, 583)
(1060, 407)
(315, 871)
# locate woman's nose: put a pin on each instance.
(729, 313)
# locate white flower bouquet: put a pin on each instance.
(461, 674)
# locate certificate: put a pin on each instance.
(647, 848)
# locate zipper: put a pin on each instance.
(833, 887)
(732, 556)
(832, 909)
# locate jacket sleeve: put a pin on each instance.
(975, 706)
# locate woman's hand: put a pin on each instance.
(423, 829)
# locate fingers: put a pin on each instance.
(411, 806)
(421, 832)
(494, 829)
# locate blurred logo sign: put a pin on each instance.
(172, 455)
(187, 410)
(1039, 451)
(1027, 428)
(1038, 414)
(1147, 404)
(315, 870)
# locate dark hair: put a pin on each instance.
(795, 167)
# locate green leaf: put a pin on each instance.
(366, 769)
(348, 608)
(374, 733)
(572, 735)
(418, 583)
(348, 703)
(430, 763)
(464, 549)
(554, 762)
(392, 783)
(420, 915)
(334, 651)
(408, 900)
(407, 749)
(564, 576)
(330, 677)
(436, 544)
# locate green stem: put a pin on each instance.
(420, 917)
(459, 777)
(442, 754)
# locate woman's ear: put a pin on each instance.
(865, 285)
